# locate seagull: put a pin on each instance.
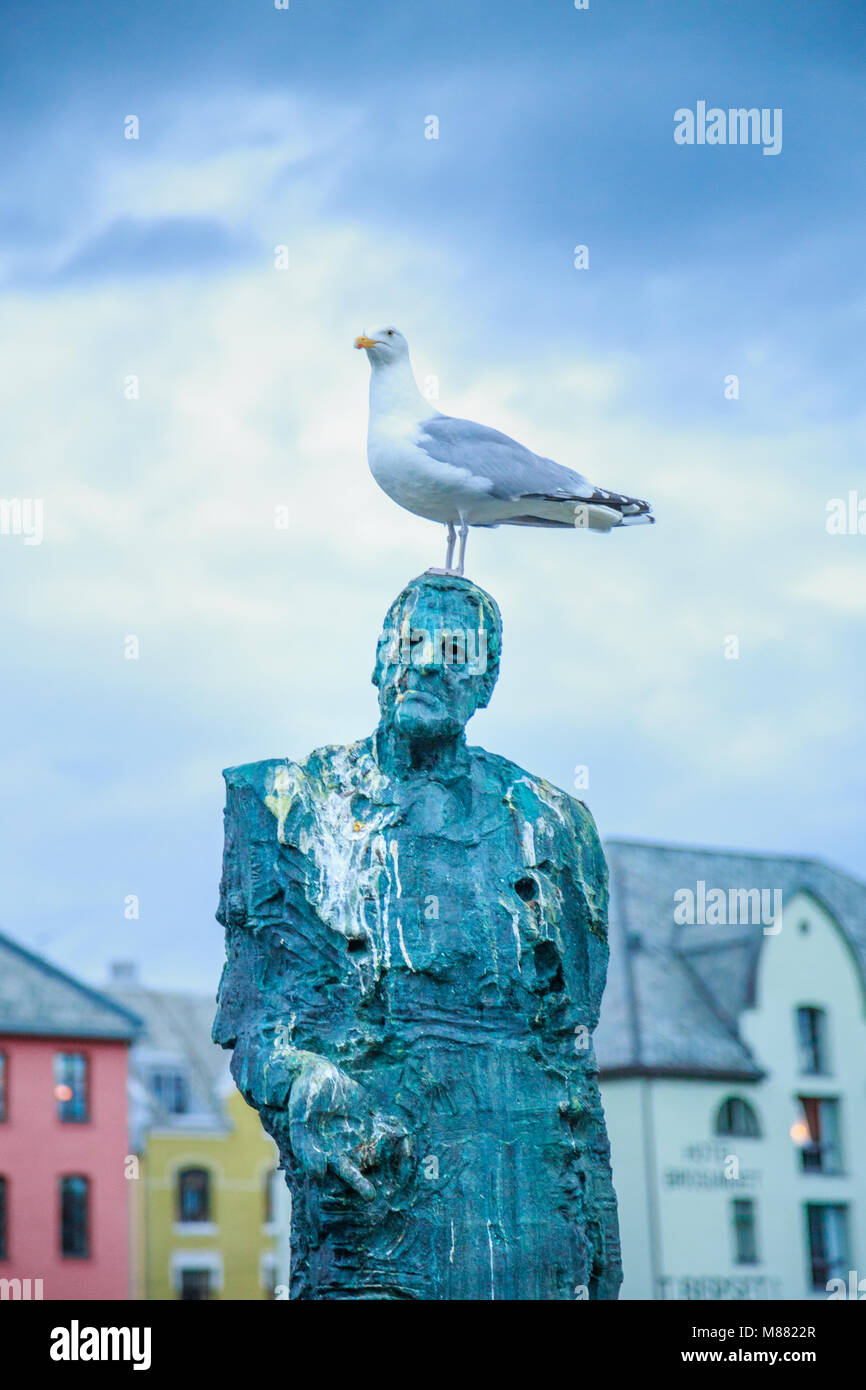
(464, 474)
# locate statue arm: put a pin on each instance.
(274, 946)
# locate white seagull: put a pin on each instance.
(464, 474)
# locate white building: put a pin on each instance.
(732, 1049)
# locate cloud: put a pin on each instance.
(840, 586)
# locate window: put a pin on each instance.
(70, 1087)
(4, 1082)
(75, 1217)
(736, 1117)
(195, 1283)
(827, 1232)
(4, 1219)
(812, 1041)
(820, 1149)
(193, 1195)
(170, 1089)
(745, 1232)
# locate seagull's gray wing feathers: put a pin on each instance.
(513, 470)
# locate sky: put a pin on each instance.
(165, 388)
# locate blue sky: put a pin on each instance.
(156, 258)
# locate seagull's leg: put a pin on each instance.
(464, 532)
(449, 549)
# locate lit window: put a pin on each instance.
(735, 1117)
(827, 1233)
(193, 1194)
(818, 1135)
(70, 1087)
(745, 1232)
(75, 1217)
(812, 1041)
(4, 1219)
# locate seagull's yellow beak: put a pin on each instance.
(365, 342)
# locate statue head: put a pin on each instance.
(438, 656)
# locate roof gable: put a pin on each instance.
(675, 993)
(40, 1000)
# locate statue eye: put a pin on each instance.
(451, 651)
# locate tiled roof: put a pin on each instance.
(38, 999)
(675, 993)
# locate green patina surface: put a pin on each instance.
(416, 951)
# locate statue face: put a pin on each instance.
(432, 665)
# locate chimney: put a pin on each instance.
(123, 972)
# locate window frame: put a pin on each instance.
(179, 1082)
(752, 1121)
(181, 1176)
(817, 1043)
(4, 1217)
(196, 1271)
(843, 1262)
(747, 1209)
(87, 1252)
(59, 1080)
(822, 1146)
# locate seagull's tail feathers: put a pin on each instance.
(597, 511)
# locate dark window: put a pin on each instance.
(195, 1283)
(193, 1195)
(812, 1041)
(4, 1219)
(736, 1117)
(820, 1149)
(745, 1232)
(829, 1255)
(270, 1179)
(4, 1084)
(75, 1217)
(171, 1091)
(70, 1087)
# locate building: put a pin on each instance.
(732, 1048)
(64, 1170)
(212, 1212)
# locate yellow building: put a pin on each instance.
(210, 1211)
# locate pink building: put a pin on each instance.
(64, 1176)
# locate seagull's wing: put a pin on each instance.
(512, 470)
(515, 474)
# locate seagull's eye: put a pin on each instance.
(390, 332)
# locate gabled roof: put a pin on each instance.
(177, 1027)
(674, 993)
(40, 1000)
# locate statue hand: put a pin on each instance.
(263, 1074)
(331, 1126)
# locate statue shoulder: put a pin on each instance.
(291, 789)
(533, 796)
